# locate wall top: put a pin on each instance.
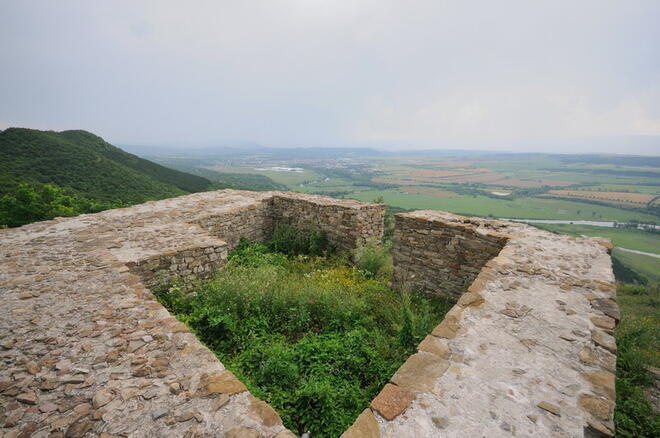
(85, 347)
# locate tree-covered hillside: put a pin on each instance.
(44, 174)
(87, 165)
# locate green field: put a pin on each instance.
(519, 208)
(651, 190)
(327, 185)
(291, 179)
(626, 238)
(648, 267)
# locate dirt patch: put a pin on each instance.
(468, 176)
(430, 191)
(619, 198)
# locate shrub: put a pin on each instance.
(637, 340)
(287, 240)
(30, 202)
(315, 338)
(255, 255)
(374, 259)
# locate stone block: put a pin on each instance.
(392, 401)
(365, 426)
(420, 372)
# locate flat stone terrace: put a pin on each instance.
(86, 350)
(528, 349)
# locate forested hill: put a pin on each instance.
(88, 165)
(45, 174)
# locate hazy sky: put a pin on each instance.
(516, 75)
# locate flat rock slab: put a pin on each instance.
(85, 347)
(87, 350)
(526, 351)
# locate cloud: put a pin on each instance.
(468, 117)
(311, 72)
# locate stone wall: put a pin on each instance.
(87, 351)
(346, 222)
(253, 222)
(196, 263)
(439, 257)
(526, 351)
(192, 251)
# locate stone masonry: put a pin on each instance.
(438, 257)
(87, 351)
(526, 351)
(345, 223)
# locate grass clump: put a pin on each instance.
(290, 241)
(313, 336)
(374, 259)
(637, 340)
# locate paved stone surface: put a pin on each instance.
(392, 401)
(527, 346)
(85, 350)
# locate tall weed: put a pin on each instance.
(290, 241)
(638, 337)
(314, 337)
(374, 259)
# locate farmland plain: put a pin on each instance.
(517, 186)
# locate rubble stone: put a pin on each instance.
(87, 350)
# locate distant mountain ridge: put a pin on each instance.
(89, 166)
(250, 150)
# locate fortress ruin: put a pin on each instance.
(87, 351)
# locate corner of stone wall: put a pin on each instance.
(431, 246)
(346, 223)
(436, 254)
(187, 265)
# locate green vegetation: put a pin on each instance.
(44, 174)
(243, 181)
(645, 266)
(524, 208)
(291, 242)
(31, 202)
(374, 259)
(223, 180)
(289, 179)
(633, 188)
(313, 336)
(87, 165)
(624, 237)
(181, 180)
(638, 338)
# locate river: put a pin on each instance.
(552, 221)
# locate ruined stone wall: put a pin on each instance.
(528, 349)
(196, 263)
(87, 351)
(438, 257)
(253, 222)
(345, 222)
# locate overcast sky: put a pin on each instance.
(507, 75)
